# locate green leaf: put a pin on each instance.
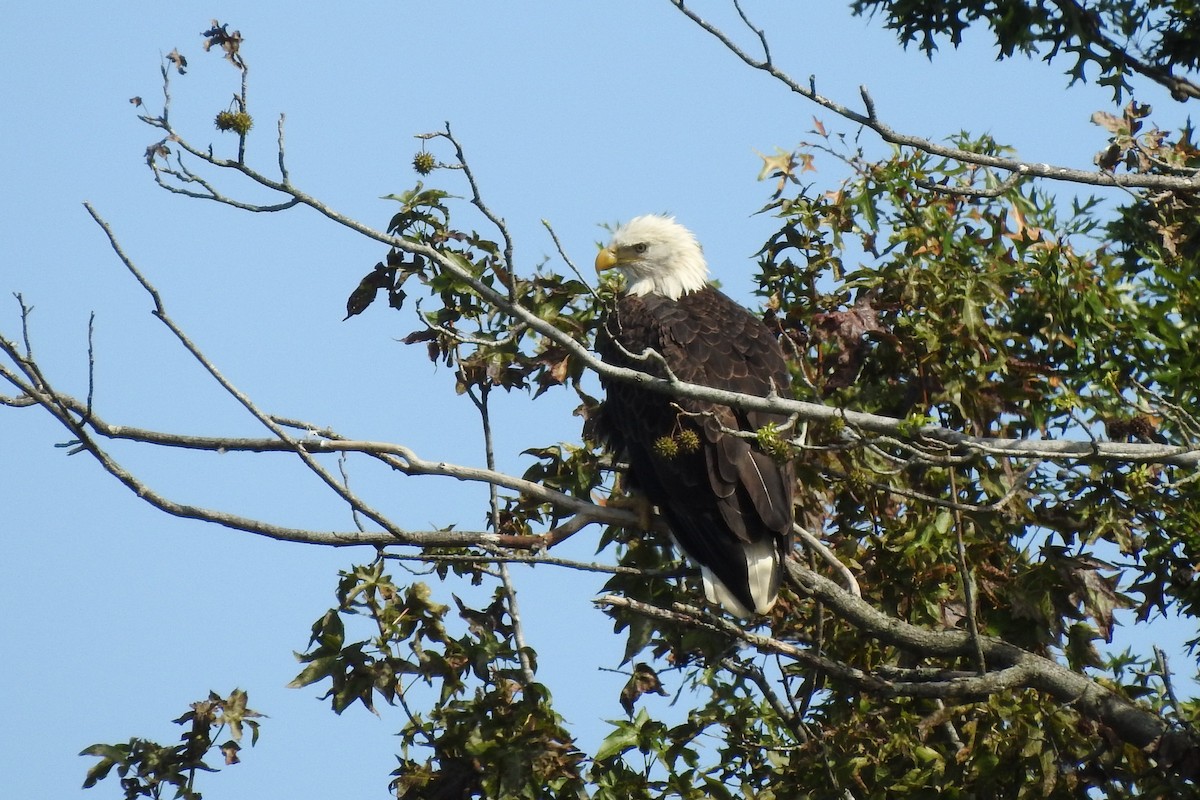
(317, 669)
(624, 737)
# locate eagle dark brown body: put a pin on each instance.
(729, 505)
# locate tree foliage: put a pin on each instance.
(995, 424)
(1120, 39)
(149, 769)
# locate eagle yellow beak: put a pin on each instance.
(605, 259)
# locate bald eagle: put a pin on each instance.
(728, 504)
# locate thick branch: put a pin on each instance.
(1009, 667)
(397, 456)
(1142, 728)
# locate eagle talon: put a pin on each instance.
(639, 504)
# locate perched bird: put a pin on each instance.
(728, 503)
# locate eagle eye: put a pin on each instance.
(640, 248)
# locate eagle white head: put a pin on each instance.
(656, 255)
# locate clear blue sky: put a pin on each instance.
(116, 616)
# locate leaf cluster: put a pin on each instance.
(734, 742)
(1118, 38)
(486, 730)
(485, 345)
(993, 313)
(148, 769)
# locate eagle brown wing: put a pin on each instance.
(726, 494)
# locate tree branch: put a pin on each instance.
(874, 423)
(1175, 749)
(160, 312)
(1180, 88)
(1009, 667)
(888, 134)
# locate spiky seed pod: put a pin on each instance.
(858, 480)
(666, 447)
(772, 443)
(242, 123)
(688, 441)
(237, 121)
(423, 162)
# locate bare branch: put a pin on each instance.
(567, 260)
(283, 170)
(966, 578)
(477, 201)
(399, 457)
(1000, 188)
(531, 559)
(510, 590)
(759, 679)
(888, 134)
(160, 311)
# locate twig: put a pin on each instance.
(532, 559)
(91, 357)
(828, 556)
(243, 102)
(567, 260)
(283, 170)
(1003, 187)
(755, 674)
(1164, 670)
(759, 32)
(477, 201)
(966, 578)
(341, 462)
(510, 590)
(160, 312)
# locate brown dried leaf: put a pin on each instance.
(1097, 593)
(847, 330)
(219, 36)
(423, 335)
(1109, 122)
(643, 681)
(364, 294)
(176, 58)
(230, 751)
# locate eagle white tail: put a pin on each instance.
(762, 570)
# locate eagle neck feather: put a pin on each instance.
(672, 285)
